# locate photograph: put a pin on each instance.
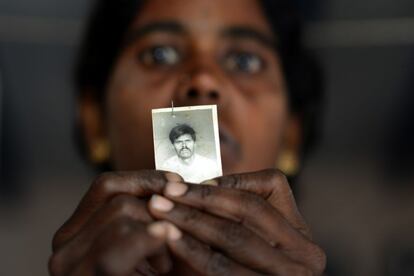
(186, 141)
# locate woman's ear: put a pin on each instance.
(289, 158)
(92, 124)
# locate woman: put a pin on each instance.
(245, 57)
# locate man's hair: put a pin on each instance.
(111, 19)
(181, 130)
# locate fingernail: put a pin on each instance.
(158, 229)
(160, 203)
(176, 189)
(211, 182)
(173, 177)
(173, 233)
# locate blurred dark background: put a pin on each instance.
(357, 189)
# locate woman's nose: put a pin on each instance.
(195, 93)
(203, 84)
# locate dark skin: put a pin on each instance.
(216, 238)
(149, 222)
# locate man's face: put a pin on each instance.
(184, 146)
(197, 52)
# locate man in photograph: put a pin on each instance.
(187, 163)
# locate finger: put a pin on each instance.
(121, 206)
(131, 243)
(253, 212)
(106, 186)
(239, 206)
(273, 186)
(250, 210)
(204, 260)
(233, 239)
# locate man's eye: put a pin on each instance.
(243, 62)
(160, 55)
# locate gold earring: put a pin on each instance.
(288, 163)
(100, 151)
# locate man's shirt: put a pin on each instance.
(200, 169)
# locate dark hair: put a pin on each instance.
(181, 130)
(111, 19)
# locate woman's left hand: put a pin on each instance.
(244, 224)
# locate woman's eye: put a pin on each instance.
(243, 62)
(160, 55)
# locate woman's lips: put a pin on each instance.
(230, 148)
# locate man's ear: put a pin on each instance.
(92, 124)
(290, 154)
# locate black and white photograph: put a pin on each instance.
(186, 141)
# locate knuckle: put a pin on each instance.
(233, 235)
(231, 181)
(104, 266)
(276, 176)
(319, 259)
(205, 191)
(191, 215)
(253, 204)
(217, 264)
(55, 264)
(278, 182)
(117, 229)
(193, 246)
(58, 238)
(104, 183)
(123, 205)
(122, 227)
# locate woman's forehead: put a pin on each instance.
(204, 16)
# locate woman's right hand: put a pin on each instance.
(111, 231)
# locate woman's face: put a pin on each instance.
(197, 52)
